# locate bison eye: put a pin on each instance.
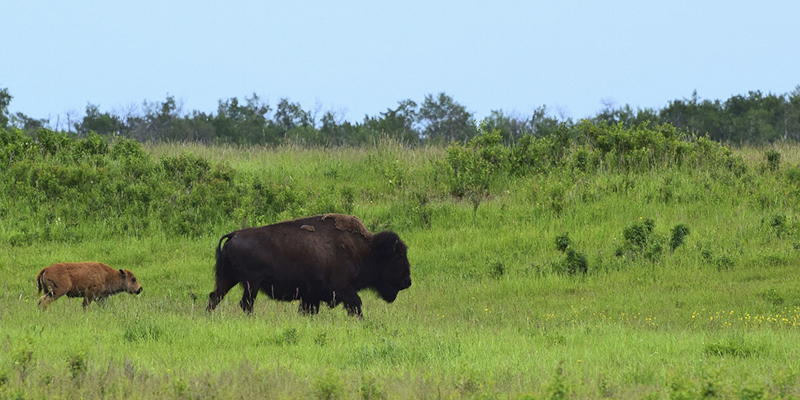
(134, 279)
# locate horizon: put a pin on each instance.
(359, 59)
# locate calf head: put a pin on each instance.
(391, 262)
(131, 283)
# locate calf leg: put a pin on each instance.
(45, 300)
(220, 290)
(51, 293)
(86, 301)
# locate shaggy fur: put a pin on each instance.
(348, 223)
(90, 280)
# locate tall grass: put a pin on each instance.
(491, 313)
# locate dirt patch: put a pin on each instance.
(309, 228)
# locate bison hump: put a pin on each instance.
(348, 223)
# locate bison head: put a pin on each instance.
(131, 284)
(393, 272)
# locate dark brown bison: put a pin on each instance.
(325, 258)
(90, 280)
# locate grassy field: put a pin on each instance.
(493, 311)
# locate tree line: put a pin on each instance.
(755, 118)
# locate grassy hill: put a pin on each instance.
(690, 251)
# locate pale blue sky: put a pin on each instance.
(359, 58)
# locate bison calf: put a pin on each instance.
(326, 258)
(90, 280)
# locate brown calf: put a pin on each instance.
(90, 280)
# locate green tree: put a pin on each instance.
(397, 123)
(445, 120)
(5, 100)
(335, 132)
(101, 123)
(508, 127)
(289, 116)
(626, 115)
(791, 115)
(244, 124)
(18, 120)
(160, 118)
(197, 127)
(27, 124)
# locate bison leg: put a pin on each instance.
(352, 302)
(220, 290)
(309, 306)
(248, 297)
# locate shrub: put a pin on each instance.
(558, 388)
(289, 337)
(370, 389)
(637, 234)
(92, 145)
(77, 365)
(772, 296)
(22, 358)
(497, 270)
(722, 263)
(678, 233)
(773, 159)
(778, 225)
(329, 386)
(473, 166)
(563, 242)
(575, 262)
(642, 241)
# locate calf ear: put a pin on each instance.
(122, 272)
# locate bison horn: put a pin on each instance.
(122, 272)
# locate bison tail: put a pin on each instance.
(220, 266)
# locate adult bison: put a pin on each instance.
(325, 258)
(90, 280)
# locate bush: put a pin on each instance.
(773, 159)
(638, 234)
(563, 242)
(497, 270)
(642, 241)
(678, 233)
(472, 166)
(574, 263)
(329, 386)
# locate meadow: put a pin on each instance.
(603, 263)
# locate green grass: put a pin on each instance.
(486, 317)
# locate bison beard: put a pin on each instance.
(325, 258)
